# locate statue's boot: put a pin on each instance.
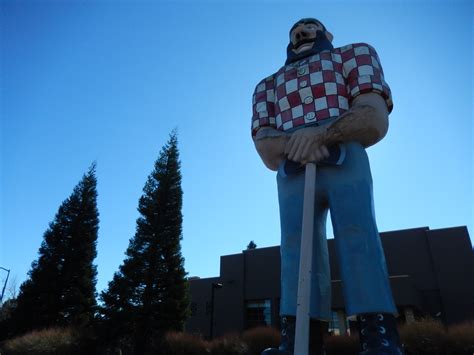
(378, 334)
(287, 343)
(287, 346)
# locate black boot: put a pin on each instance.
(287, 346)
(378, 334)
(318, 329)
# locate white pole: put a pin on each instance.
(304, 280)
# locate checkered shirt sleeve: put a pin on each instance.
(364, 73)
(263, 103)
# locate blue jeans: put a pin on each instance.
(346, 190)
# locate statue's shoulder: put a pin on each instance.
(270, 77)
(266, 82)
(356, 49)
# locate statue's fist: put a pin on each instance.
(307, 145)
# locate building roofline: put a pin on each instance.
(382, 234)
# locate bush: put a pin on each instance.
(341, 345)
(460, 339)
(185, 344)
(46, 341)
(426, 336)
(228, 345)
(261, 338)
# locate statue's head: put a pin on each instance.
(307, 36)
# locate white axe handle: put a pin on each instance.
(304, 280)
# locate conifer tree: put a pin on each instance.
(61, 285)
(148, 295)
(251, 245)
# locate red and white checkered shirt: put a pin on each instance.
(318, 87)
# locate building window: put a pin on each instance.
(338, 325)
(258, 313)
(334, 324)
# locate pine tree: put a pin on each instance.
(251, 245)
(61, 285)
(148, 296)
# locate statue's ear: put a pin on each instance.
(329, 36)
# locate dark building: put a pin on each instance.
(431, 274)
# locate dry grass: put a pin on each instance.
(341, 345)
(261, 338)
(460, 338)
(425, 336)
(230, 344)
(185, 344)
(46, 341)
(188, 344)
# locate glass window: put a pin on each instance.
(339, 325)
(258, 313)
(334, 324)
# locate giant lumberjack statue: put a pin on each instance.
(326, 105)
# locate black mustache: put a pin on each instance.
(319, 35)
(304, 41)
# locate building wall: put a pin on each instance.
(454, 267)
(230, 299)
(431, 271)
(407, 253)
(199, 321)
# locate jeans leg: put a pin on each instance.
(359, 250)
(320, 307)
(290, 194)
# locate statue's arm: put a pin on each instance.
(367, 119)
(270, 144)
(366, 122)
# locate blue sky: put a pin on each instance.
(107, 81)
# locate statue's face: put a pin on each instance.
(304, 35)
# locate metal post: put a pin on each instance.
(5, 284)
(304, 280)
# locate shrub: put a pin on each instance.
(46, 341)
(260, 338)
(426, 336)
(185, 344)
(341, 345)
(228, 345)
(460, 339)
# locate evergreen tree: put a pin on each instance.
(6, 311)
(148, 295)
(61, 285)
(251, 245)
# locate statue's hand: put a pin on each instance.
(307, 145)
